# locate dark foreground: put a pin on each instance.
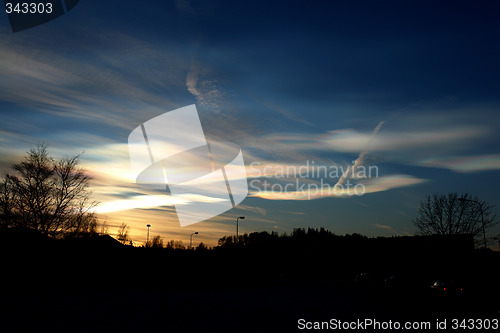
(72, 287)
(278, 309)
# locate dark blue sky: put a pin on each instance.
(408, 86)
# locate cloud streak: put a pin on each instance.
(464, 164)
(360, 161)
(106, 88)
(317, 190)
(202, 84)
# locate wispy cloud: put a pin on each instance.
(202, 84)
(193, 77)
(259, 210)
(464, 164)
(360, 161)
(390, 140)
(294, 182)
(382, 226)
(316, 190)
(351, 140)
(405, 138)
(104, 87)
(389, 229)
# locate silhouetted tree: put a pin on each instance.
(103, 229)
(226, 240)
(48, 195)
(201, 247)
(177, 245)
(156, 242)
(7, 197)
(451, 214)
(122, 234)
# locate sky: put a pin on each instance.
(398, 97)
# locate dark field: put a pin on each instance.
(98, 285)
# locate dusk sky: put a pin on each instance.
(408, 88)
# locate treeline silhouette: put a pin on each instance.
(309, 272)
(303, 255)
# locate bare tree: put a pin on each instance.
(7, 197)
(175, 244)
(103, 228)
(48, 195)
(451, 214)
(122, 235)
(157, 242)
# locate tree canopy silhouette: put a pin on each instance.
(452, 214)
(122, 235)
(47, 195)
(157, 242)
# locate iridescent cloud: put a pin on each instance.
(464, 163)
(317, 190)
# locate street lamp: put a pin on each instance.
(482, 216)
(147, 238)
(191, 239)
(240, 217)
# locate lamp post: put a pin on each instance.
(191, 239)
(482, 216)
(147, 238)
(240, 217)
